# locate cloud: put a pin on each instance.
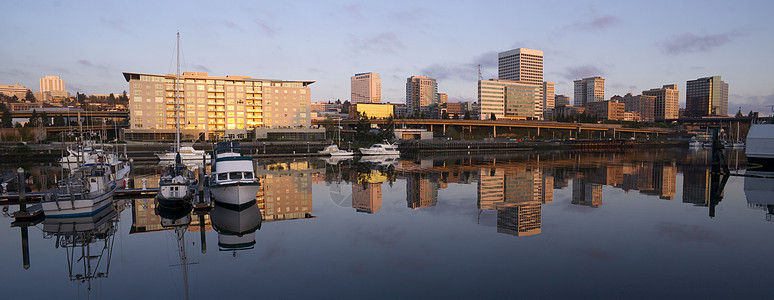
(598, 23)
(578, 72)
(688, 42)
(386, 42)
(269, 30)
(682, 233)
(88, 63)
(116, 24)
(464, 71)
(201, 68)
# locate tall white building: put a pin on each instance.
(521, 64)
(366, 88)
(591, 89)
(52, 86)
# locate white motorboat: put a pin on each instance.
(333, 150)
(236, 228)
(232, 179)
(85, 192)
(760, 145)
(381, 149)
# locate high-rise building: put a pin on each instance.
(216, 106)
(366, 88)
(509, 99)
(706, 96)
(561, 100)
(549, 99)
(52, 87)
(521, 64)
(421, 91)
(643, 105)
(667, 102)
(589, 89)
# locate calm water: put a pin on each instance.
(647, 224)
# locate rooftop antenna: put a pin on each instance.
(479, 73)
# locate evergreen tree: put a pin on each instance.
(59, 120)
(30, 97)
(44, 119)
(466, 116)
(34, 119)
(7, 120)
(493, 116)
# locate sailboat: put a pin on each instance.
(177, 183)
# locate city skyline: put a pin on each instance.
(327, 43)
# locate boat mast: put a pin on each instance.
(177, 98)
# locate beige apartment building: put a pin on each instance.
(521, 64)
(366, 88)
(213, 107)
(667, 102)
(549, 99)
(606, 110)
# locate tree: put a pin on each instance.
(3, 107)
(44, 119)
(30, 97)
(466, 116)
(7, 120)
(492, 117)
(34, 119)
(59, 120)
(739, 113)
(124, 98)
(111, 98)
(445, 115)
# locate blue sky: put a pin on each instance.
(634, 45)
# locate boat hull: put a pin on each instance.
(235, 194)
(173, 194)
(66, 208)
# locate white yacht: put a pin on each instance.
(381, 149)
(333, 150)
(232, 179)
(760, 145)
(85, 192)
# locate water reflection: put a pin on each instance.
(759, 191)
(88, 243)
(286, 190)
(236, 227)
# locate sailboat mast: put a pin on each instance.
(177, 98)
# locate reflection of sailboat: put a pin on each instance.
(178, 217)
(759, 190)
(236, 228)
(76, 233)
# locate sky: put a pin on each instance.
(633, 45)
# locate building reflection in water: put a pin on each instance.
(517, 193)
(367, 191)
(286, 190)
(421, 190)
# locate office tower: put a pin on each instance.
(509, 99)
(521, 64)
(549, 99)
(667, 102)
(706, 96)
(215, 106)
(52, 87)
(561, 100)
(643, 105)
(589, 89)
(17, 90)
(421, 91)
(366, 88)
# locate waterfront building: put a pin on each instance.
(14, 90)
(215, 106)
(589, 89)
(509, 99)
(366, 88)
(421, 92)
(549, 100)
(666, 105)
(561, 100)
(706, 96)
(521, 64)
